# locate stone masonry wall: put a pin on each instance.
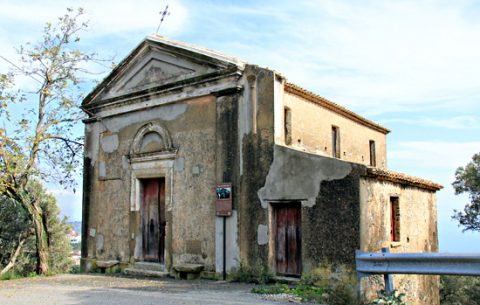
(418, 233)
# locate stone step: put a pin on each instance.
(144, 272)
(149, 266)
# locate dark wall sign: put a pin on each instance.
(224, 199)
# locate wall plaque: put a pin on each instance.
(224, 199)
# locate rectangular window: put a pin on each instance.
(335, 142)
(373, 159)
(287, 126)
(394, 219)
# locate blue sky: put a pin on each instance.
(412, 66)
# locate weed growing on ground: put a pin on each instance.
(305, 292)
(386, 298)
(327, 284)
(257, 274)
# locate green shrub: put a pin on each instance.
(257, 274)
(9, 276)
(459, 290)
(338, 283)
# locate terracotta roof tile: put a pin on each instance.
(387, 175)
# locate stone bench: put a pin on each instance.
(187, 271)
(107, 266)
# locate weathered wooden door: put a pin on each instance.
(288, 240)
(153, 219)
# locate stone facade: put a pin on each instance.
(173, 120)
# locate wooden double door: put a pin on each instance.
(153, 219)
(288, 239)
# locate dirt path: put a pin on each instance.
(116, 290)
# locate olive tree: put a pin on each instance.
(467, 180)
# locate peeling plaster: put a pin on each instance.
(262, 234)
(125, 162)
(102, 169)
(115, 124)
(297, 175)
(109, 143)
(99, 242)
(93, 144)
(179, 165)
(244, 119)
(165, 113)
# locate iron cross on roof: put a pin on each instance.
(163, 13)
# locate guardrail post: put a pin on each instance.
(388, 277)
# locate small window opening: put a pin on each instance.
(288, 126)
(335, 142)
(373, 158)
(394, 219)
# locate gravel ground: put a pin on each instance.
(118, 290)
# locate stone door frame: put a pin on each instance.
(158, 165)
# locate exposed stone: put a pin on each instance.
(107, 264)
(194, 268)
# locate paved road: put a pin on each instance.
(116, 290)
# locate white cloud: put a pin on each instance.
(455, 122)
(433, 154)
(70, 203)
(376, 56)
(105, 17)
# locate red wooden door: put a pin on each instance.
(288, 239)
(153, 219)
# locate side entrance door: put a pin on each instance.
(288, 240)
(153, 219)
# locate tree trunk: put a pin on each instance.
(41, 235)
(42, 246)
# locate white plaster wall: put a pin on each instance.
(233, 251)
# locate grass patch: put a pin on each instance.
(9, 276)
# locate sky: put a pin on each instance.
(411, 66)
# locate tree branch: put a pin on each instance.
(15, 255)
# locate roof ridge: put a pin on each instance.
(197, 48)
(313, 97)
(388, 175)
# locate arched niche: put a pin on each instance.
(150, 138)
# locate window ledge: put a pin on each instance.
(395, 244)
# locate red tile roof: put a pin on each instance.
(387, 175)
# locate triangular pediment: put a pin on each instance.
(155, 63)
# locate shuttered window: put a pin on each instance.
(373, 157)
(394, 219)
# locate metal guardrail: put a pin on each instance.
(386, 263)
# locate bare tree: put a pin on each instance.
(38, 142)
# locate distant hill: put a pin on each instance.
(76, 226)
